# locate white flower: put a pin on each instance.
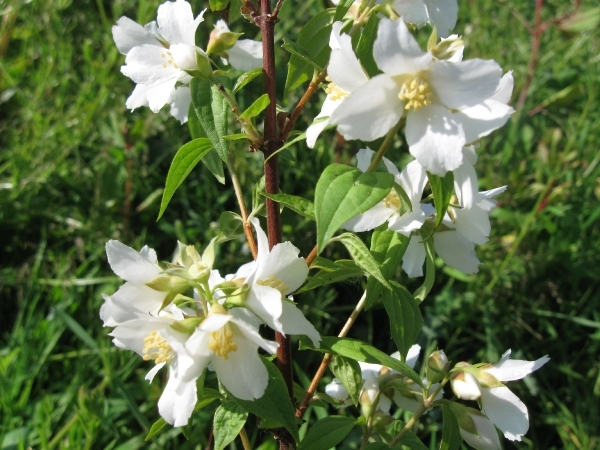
(158, 56)
(245, 54)
(274, 275)
(413, 180)
(345, 74)
(484, 436)
(498, 402)
(134, 296)
(431, 92)
(440, 13)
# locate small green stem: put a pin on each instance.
(246, 124)
(389, 137)
(245, 440)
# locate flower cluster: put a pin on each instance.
(162, 56)
(186, 316)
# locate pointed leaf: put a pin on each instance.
(442, 189)
(348, 372)
(451, 433)
(156, 428)
(342, 8)
(211, 160)
(257, 107)
(341, 270)
(405, 317)
(300, 53)
(185, 160)
(228, 422)
(211, 109)
(327, 433)
(342, 193)
(360, 351)
(364, 49)
(246, 78)
(275, 404)
(361, 255)
(297, 204)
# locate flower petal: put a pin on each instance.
(177, 401)
(150, 65)
(465, 183)
(176, 22)
(370, 111)
(315, 129)
(443, 14)
(480, 120)
(337, 390)
(473, 224)
(435, 138)
(265, 302)
(396, 51)
(293, 322)
(504, 89)
(414, 257)
(515, 369)
(506, 411)
(130, 265)
(486, 438)
(180, 103)
(139, 97)
(370, 219)
(283, 265)
(456, 251)
(128, 34)
(344, 68)
(245, 55)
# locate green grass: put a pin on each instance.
(77, 169)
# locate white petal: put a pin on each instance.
(139, 297)
(409, 222)
(344, 68)
(412, 11)
(467, 388)
(506, 411)
(465, 183)
(443, 14)
(129, 264)
(252, 335)
(128, 34)
(466, 83)
(413, 180)
(246, 55)
(363, 159)
(177, 401)
(176, 22)
(370, 111)
(160, 95)
(261, 240)
(131, 334)
(515, 369)
(370, 219)
(293, 322)
(337, 390)
(315, 129)
(485, 199)
(384, 404)
(139, 97)
(413, 355)
(396, 51)
(283, 265)
(243, 372)
(473, 224)
(185, 56)
(480, 120)
(504, 89)
(414, 257)
(487, 438)
(150, 65)
(456, 251)
(435, 138)
(265, 302)
(180, 103)
(152, 373)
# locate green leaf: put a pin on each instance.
(246, 78)
(257, 107)
(451, 433)
(211, 160)
(231, 226)
(301, 137)
(228, 422)
(218, 5)
(314, 36)
(342, 193)
(360, 351)
(342, 8)
(300, 52)
(364, 49)
(185, 160)
(275, 404)
(211, 109)
(327, 433)
(377, 446)
(409, 439)
(388, 248)
(348, 372)
(156, 428)
(362, 256)
(297, 204)
(341, 270)
(442, 189)
(237, 137)
(421, 293)
(405, 317)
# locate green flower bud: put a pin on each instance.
(437, 366)
(187, 326)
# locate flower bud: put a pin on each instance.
(169, 283)
(235, 291)
(448, 48)
(464, 385)
(437, 366)
(188, 325)
(221, 39)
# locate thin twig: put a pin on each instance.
(278, 6)
(240, 198)
(245, 440)
(327, 359)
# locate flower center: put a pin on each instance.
(392, 200)
(221, 342)
(415, 93)
(157, 348)
(169, 57)
(275, 283)
(334, 92)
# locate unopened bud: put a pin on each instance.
(221, 39)
(169, 283)
(464, 385)
(235, 291)
(437, 366)
(449, 48)
(187, 326)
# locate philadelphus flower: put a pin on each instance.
(476, 429)
(244, 54)
(444, 101)
(413, 180)
(160, 56)
(274, 275)
(498, 403)
(345, 75)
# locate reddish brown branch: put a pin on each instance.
(535, 45)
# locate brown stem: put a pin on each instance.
(312, 255)
(277, 8)
(327, 359)
(310, 91)
(266, 21)
(537, 31)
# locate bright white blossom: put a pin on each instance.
(270, 278)
(445, 102)
(413, 180)
(484, 436)
(440, 13)
(159, 56)
(245, 54)
(498, 402)
(345, 74)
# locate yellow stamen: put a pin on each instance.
(169, 57)
(334, 92)
(274, 282)
(392, 200)
(157, 348)
(221, 342)
(415, 93)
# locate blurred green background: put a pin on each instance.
(77, 169)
